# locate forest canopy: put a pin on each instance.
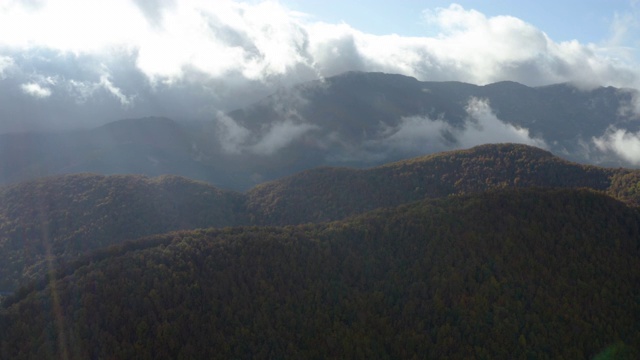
(521, 273)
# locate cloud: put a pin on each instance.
(472, 47)
(624, 144)
(335, 49)
(279, 136)
(193, 58)
(5, 63)
(418, 134)
(630, 107)
(106, 83)
(36, 90)
(483, 127)
(623, 25)
(71, 25)
(217, 38)
(262, 40)
(235, 138)
(153, 10)
(231, 135)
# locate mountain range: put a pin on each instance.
(366, 215)
(56, 219)
(354, 119)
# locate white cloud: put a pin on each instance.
(71, 25)
(221, 37)
(621, 142)
(631, 107)
(36, 90)
(231, 135)
(484, 127)
(263, 40)
(235, 138)
(81, 91)
(106, 83)
(5, 63)
(279, 136)
(225, 53)
(422, 134)
(473, 48)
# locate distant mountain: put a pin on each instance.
(66, 216)
(354, 119)
(147, 146)
(505, 274)
(364, 118)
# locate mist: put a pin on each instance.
(421, 135)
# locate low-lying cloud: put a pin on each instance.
(418, 134)
(279, 135)
(623, 143)
(631, 108)
(232, 136)
(413, 135)
(269, 139)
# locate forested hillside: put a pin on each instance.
(333, 193)
(65, 216)
(69, 215)
(505, 274)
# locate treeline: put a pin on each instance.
(66, 216)
(508, 274)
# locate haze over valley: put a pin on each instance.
(354, 119)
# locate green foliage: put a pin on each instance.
(618, 351)
(505, 274)
(625, 185)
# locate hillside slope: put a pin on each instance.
(62, 217)
(510, 274)
(65, 216)
(332, 193)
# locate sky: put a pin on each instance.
(589, 21)
(78, 63)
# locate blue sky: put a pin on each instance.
(563, 20)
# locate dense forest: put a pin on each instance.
(504, 274)
(49, 221)
(332, 193)
(65, 216)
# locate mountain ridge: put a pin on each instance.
(355, 119)
(74, 214)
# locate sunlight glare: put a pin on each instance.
(78, 26)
